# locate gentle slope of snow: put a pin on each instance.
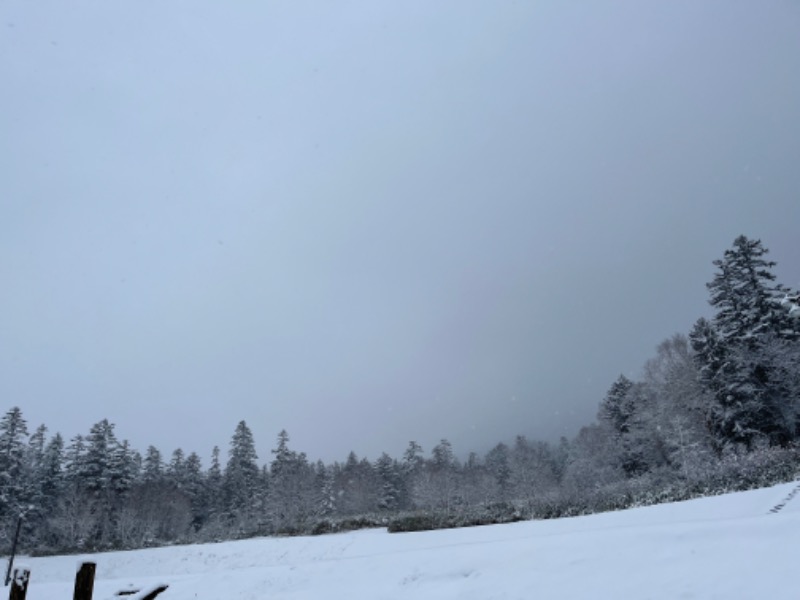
(723, 547)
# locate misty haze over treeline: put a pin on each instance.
(716, 409)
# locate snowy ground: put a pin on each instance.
(723, 547)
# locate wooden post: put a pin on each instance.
(19, 584)
(147, 595)
(155, 592)
(84, 581)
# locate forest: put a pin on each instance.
(715, 409)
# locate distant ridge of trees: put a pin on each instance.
(715, 410)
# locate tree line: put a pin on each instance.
(715, 410)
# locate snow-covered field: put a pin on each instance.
(723, 547)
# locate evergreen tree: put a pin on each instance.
(241, 482)
(292, 496)
(176, 468)
(36, 446)
(616, 408)
(212, 490)
(13, 449)
(52, 471)
(745, 295)
(152, 466)
(625, 415)
(561, 458)
(194, 487)
(34, 460)
(96, 473)
(124, 465)
(325, 484)
(106, 476)
(498, 463)
(709, 353)
(751, 395)
(641, 448)
(442, 457)
(74, 457)
(358, 486)
(390, 481)
(412, 468)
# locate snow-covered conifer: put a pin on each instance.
(241, 480)
(616, 408)
(735, 351)
(13, 438)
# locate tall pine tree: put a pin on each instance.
(735, 349)
(241, 481)
(13, 450)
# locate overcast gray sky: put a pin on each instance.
(372, 222)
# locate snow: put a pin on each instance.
(791, 305)
(21, 574)
(722, 547)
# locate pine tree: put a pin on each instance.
(194, 487)
(73, 520)
(241, 480)
(52, 471)
(358, 486)
(100, 444)
(212, 492)
(412, 468)
(13, 484)
(625, 414)
(124, 464)
(641, 447)
(745, 295)
(152, 466)
(292, 492)
(34, 459)
(106, 476)
(388, 473)
(498, 463)
(36, 446)
(616, 408)
(176, 470)
(74, 457)
(442, 458)
(735, 350)
(325, 485)
(32, 479)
